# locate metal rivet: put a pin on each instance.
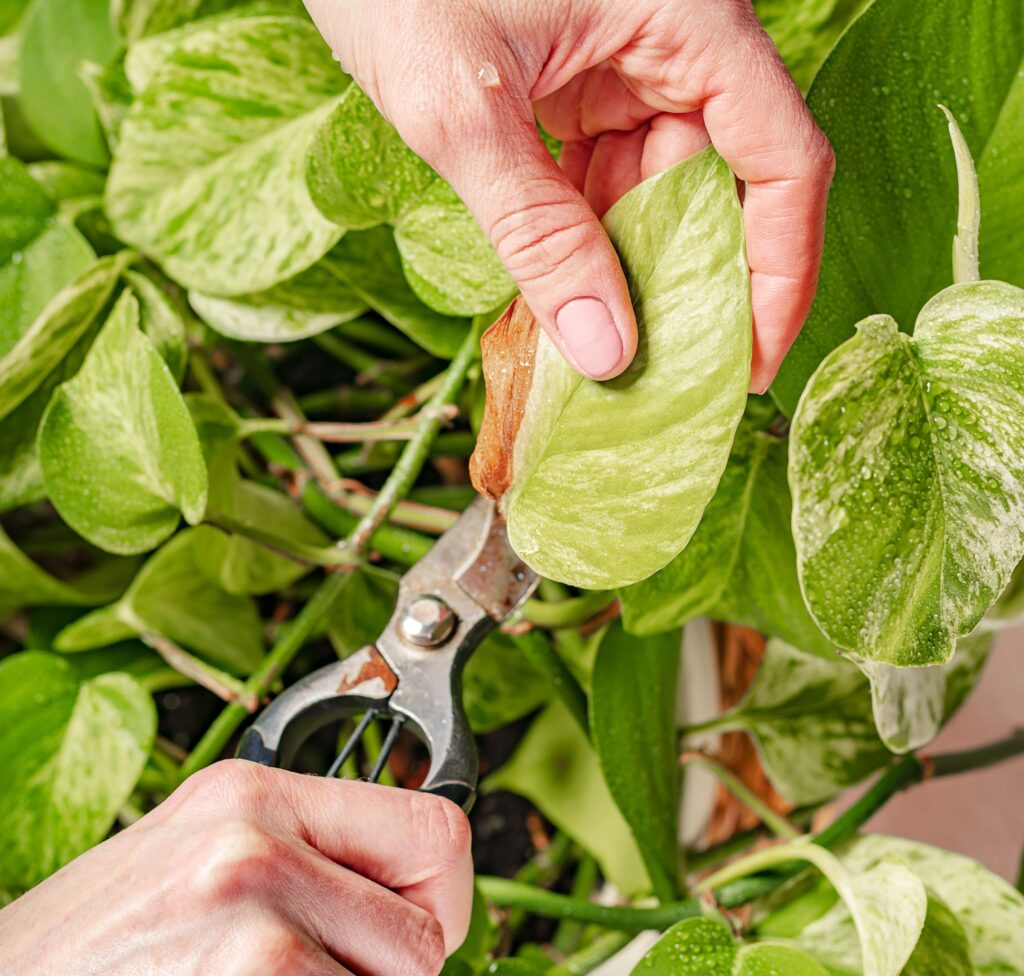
(427, 621)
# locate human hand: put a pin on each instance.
(250, 871)
(630, 89)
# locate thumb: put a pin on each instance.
(551, 242)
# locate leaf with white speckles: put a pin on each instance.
(705, 946)
(209, 172)
(310, 303)
(448, 259)
(119, 453)
(360, 172)
(160, 322)
(71, 750)
(885, 899)
(172, 596)
(986, 912)
(811, 719)
(368, 260)
(603, 484)
(907, 471)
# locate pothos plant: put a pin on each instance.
(240, 378)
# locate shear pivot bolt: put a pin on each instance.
(427, 621)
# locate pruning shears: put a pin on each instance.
(467, 584)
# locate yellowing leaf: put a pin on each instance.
(604, 483)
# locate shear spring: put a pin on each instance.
(356, 736)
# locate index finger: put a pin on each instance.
(758, 121)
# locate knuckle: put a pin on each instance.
(237, 859)
(426, 945)
(535, 241)
(233, 780)
(447, 829)
(281, 951)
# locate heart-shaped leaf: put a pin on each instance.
(907, 471)
(119, 452)
(160, 322)
(171, 596)
(602, 484)
(891, 209)
(740, 565)
(225, 207)
(71, 750)
(633, 727)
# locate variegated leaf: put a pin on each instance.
(209, 172)
(907, 471)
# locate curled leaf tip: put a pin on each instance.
(968, 218)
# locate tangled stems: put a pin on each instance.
(632, 918)
(312, 615)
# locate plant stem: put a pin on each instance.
(356, 498)
(222, 684)
(740, 841)
(624, 918)
(907, 772)
(346, 399)
(541, 871)
(313, 614)
(452, 443)
(359, 361)
(775, 821)
(383, 338)
(567, 613)
(299, 552)
(588, 959)
(391, 541)
(544, 658)
(569, 932)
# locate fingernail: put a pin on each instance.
(588, 331)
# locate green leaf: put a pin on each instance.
(450, 263)
(171, 596)
(362, 610)
(119, 452)
(965, 903)
(910, 705)
(893, 201)
(312, 302)
(360, 172)
(611, 479)
(68, 316)
(555, 768)
(223, 203)
(71, 751)
(811, 719)
(805, 31)
(40, 253)
(633, 727)
(500, 684)
(705, 947)
(242, 566)
(886, 900)
(740, 565)
(161, 322)
(369, 262)
(58, 35)
(137, 18)
(23, 583)
(65, 181)
(907, 471)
